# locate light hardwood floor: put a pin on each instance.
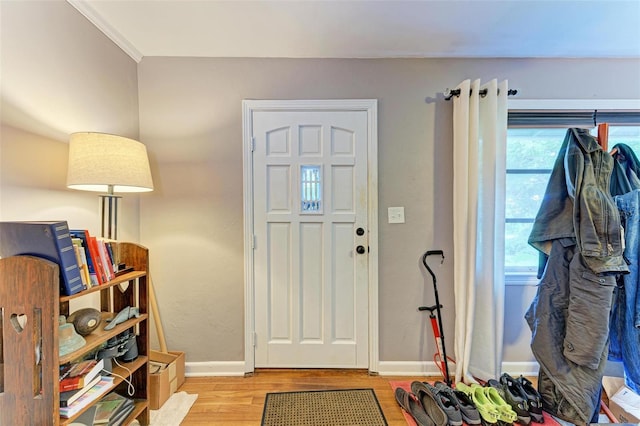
(239, 401)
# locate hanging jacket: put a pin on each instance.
(577, 204)
(626, 172)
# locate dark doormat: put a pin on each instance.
(344, 407)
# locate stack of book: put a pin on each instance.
(81, 383)
(112, 410)
(96, 255)
(87, 398)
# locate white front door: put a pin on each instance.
(311, 238)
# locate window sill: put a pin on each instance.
(521, 279)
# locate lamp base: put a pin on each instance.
(109, 216)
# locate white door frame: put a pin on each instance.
(371, 107)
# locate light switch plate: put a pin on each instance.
(396, 214)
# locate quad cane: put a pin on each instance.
(440, 358)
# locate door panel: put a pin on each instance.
(310, 196)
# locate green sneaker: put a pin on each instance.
(487, 410)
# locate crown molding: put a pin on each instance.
(94, 17)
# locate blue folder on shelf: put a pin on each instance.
(47, 239)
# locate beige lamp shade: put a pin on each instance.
(99, 162)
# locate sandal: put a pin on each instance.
(534, 400)
(487, 410)
(506, 413)
(429, 403)
(412, 406)
(515, 396)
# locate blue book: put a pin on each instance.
(48, 239)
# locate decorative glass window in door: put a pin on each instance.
(311, 189)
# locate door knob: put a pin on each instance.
(360, 249)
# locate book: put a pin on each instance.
(82, 263)
(84, 236)
(47, 239)
(123, 412)
(80, 374)
(106, 259)
(87, 398)
(85, 265)
(86, 418)
(111, 252)
(98, 259)
(74, 368)
(108, 407)
(69, 397)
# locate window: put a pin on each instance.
(310, 189)
(530, 157)
(532, 148)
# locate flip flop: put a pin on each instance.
(411, 405)
(429, 403)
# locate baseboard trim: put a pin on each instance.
(385, 368)
(214, 368)
(521, 368)
(429, 368)
(408, 368)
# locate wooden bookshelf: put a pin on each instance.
(29, 360)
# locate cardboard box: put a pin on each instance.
(166, 381)
(623, 402)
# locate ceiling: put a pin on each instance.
(370, 28)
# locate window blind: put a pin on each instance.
(572, 118)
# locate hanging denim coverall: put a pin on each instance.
(578, 230)
(625, 319)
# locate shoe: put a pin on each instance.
(412, 406)
(506, 413)
(534, 400)
(447, 401)
(515, 396)
(487, 410)
(429, 403)
(468, 412)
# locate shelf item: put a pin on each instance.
(49, 240)
(87, 398)
(76, 375)
(69, 397)
(29, 359)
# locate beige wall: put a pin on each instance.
(60, 75)
(190, 118)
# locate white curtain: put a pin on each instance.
(479, 153)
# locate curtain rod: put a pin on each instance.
(448, 93)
